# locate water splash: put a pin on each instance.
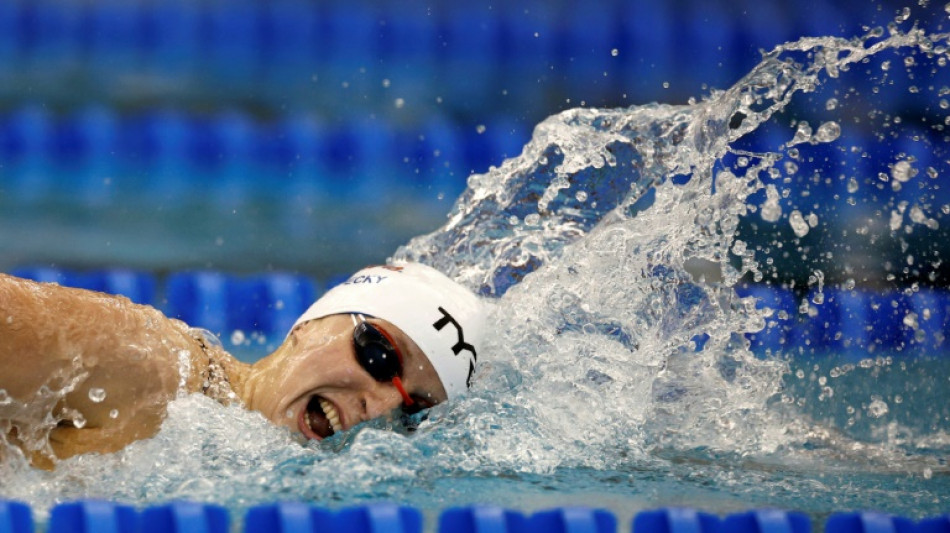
(611, 246)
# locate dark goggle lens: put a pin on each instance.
(375, 353)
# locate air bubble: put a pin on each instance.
(97, 395)
(877, 408)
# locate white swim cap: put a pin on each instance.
(443, 318)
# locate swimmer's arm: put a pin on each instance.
(116, 363)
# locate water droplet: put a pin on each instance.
(877, 408)
(615, 52)
(386, 83)
(831, 104)
(5, 398)
(399, 103)
(771, 211)
(237, 337)
(903, 171)
(113, 414)
(852, 185)
(97, 395)
(581, 196)
(79, 422)
(798, 224)
(828, 132)
(480, 129)
(910, 320)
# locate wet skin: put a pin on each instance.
(318, 361)
(58, 345)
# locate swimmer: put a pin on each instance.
(82, 371)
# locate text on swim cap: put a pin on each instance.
(356, 280)
(460, 345)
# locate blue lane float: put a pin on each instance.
(297, 517)
(855, 323)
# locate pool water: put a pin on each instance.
(620, 373)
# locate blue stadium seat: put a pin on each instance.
(163, 141)
(473, 49)
(287, 518)
(230, 168)
(841, 323)
(269, 303)
(886, 325)
(932, 317)
(650, 41)
(675, 520)
(502, 138)
(589, 32)
(113, 30)
(705, 53)
(293, 159)
(26, 140)
(349, 38)
(916, 147)
(361, 161)
(868, 523)
(432, 163)
(572, 520)
(289, 33)
(767, 521)
(92, 516)
(378, 518)
(780, 331)
(184, 517)
(51, 37)
(140, 287)
(86, 155)
(10, 40)
(233, 43)
(15, 517)
(481, 519)
(171, 41)
(44, 274)
(200, 299)
(937, 524)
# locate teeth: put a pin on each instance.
(332, 415)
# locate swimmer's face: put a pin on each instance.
(315, 385)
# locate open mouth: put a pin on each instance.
(319, 419)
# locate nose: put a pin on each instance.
(380, 400)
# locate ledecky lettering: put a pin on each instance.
(355, 280)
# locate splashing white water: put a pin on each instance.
(617, 341)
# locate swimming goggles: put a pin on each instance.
(376, 352)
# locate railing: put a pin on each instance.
(186, 517)
(852, 322)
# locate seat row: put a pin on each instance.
(187, 517)
(839, 321)
(96, 154)
(274, 49)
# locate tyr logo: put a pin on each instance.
(460, 344)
